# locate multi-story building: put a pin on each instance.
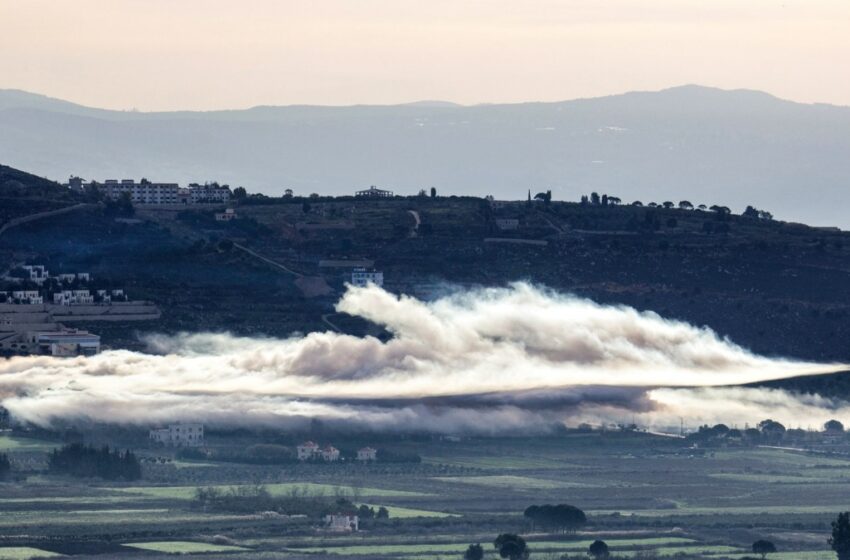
(143, 192)
(307, 450)
(330, 453)
(179, 435)
(208, 193)
(360, 277)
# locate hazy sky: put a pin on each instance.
(205, 54)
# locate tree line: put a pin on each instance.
(87, 461)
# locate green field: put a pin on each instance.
(184, 547)
(643, 495)
(24, 553)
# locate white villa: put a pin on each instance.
(367, 454)
(179, 435)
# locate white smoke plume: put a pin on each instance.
(488, 360)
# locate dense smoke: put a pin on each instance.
(488, 360)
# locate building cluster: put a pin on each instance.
(361, 277)
(39, 274)
(62, 289)
(179, 435)
(36, 333)
(86, 297)
(311, 451)
(148, 192)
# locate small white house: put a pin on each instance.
(179, 435)
(27, 297)
(66, 278)
(307, 450)
(84, 277)
(342, 522)
(330, 454)
(226, 216)
(367, 454)
(361, 278)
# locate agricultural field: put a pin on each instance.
(646, 496)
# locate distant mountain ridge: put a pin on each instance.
(701, 144)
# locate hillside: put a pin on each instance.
(777, 288)
(23, 194)
(731, 147)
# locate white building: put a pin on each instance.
(143, 192)
(330, 454)
(210, 193)
(307, 450)
(37, 273)
(367, 454)
(342, 522)
(27, 297)
(226, 216)
(68, 342)
(73, 297)
(179, 435)
(66, 278)
(361, 278)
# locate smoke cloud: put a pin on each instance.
(490, 360)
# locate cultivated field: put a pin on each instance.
(646, 496)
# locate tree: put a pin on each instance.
(637, 203)
(5, 466)
(771, 429)
(667, 204)
(833, 427)
(840, 539)
(474, 552)
(763, 547)
(685, 205)
(240, 193)
(433, 192)
(383, 513)
(750, 212)
(599, 550)
(562, 517)
(511, 546)
(594, 198)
